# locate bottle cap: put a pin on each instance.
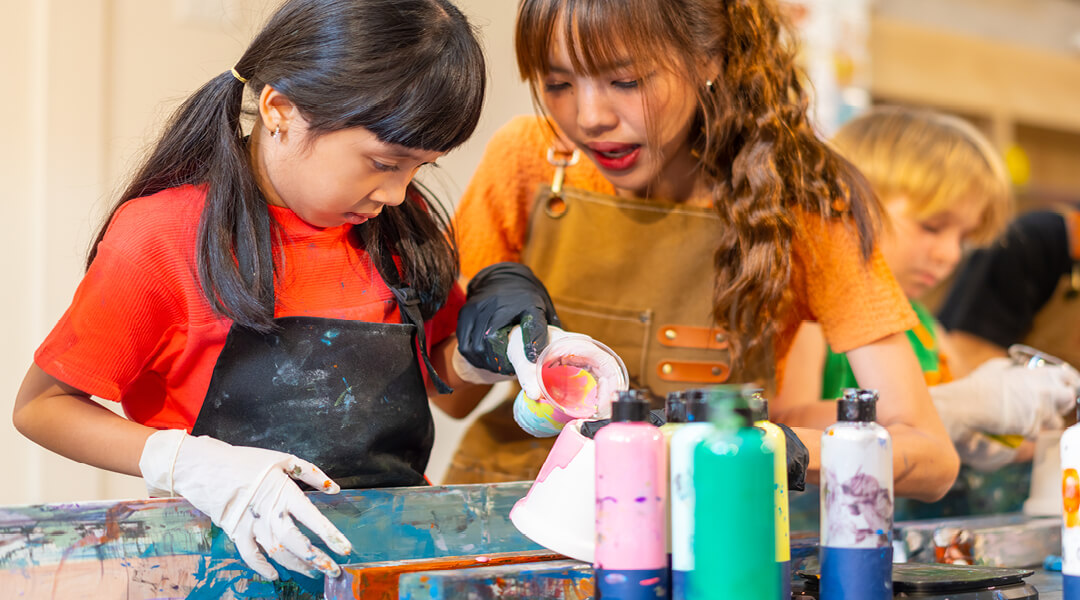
(630, 406)
(675, 407)
(857, 405)
(721, 402)
(759, 405)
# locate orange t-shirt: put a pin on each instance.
(856, 302)
(140, 331)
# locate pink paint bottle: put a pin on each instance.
(631, 485)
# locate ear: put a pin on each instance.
(276, 111)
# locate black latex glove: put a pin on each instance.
(589, 428)
(498, 297)
(798, 458)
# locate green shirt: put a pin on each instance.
(838, 374)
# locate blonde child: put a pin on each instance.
(943, 187)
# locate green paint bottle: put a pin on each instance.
(734, 527)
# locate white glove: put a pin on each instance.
(984, 453)
(473, 374)
(579, 351)
(249, 493)
(1001, 397)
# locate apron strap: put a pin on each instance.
(409, 303)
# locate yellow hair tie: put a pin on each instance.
(236, 74)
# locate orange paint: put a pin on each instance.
(379, 581)
(1070, 494)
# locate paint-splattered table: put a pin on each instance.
(157, 549)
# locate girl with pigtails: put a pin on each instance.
(275, 307)
(678, 205)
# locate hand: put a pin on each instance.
(1001, 397)
(499, 296)
(798, 458)
(251, 495)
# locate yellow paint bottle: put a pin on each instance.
(775, 438)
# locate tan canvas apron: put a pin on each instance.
(635, 275)
(1056, 329)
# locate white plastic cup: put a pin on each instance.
(580, 376)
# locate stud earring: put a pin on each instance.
(276, 131)
(708, 84)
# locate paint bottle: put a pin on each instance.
(1070, 529)
(734, 538)
(685, 439)
(774, 436)
(674, 417)
(631, 482)
(856, 502)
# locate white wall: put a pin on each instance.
(86, 83)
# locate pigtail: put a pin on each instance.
(768, 165)
(202, 145)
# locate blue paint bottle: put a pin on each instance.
(683, 442)
(631, 486)
(856, 502)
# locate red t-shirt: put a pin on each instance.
(140, 331)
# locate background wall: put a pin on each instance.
(86, 83)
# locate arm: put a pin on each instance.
(66, 421)
(925, 463)
(924, 460)
(967, 351)
(466, 395)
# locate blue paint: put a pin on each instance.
(1070, 589)
(631, 584)
(565, 579)
(680, 580)
(382, 524)
(856, 573)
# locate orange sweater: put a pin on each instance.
(856, 302)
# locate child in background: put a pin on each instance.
(943, 186)
(1025, 288)
(683, 225)
(269, 307)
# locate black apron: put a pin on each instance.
(347, 396)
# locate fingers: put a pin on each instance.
(298, 549)
(245, 545)
(534, 332)
(301, 469)
(305, 512)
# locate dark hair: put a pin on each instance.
(410, 71)
(752, 135)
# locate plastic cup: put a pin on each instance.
(580, 376)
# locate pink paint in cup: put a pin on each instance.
(580, 376)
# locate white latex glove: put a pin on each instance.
(249, 493)
(525, 368)
(473, 374)
(580, 351)
(1001, 397)
(983, 452)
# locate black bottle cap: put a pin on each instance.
(703, 403)
(630, 406)
(675, 407)
(759, 405)
(857, 405)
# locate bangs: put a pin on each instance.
(437, 109)
(589, 28)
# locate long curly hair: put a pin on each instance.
(758, 151)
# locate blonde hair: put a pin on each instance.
(933, 160)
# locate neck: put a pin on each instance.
(681, 182)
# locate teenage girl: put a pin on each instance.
(680, 208)
(277, 305)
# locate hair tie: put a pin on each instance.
(236, 74)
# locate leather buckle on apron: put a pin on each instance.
(693, 371)
(685, 336)
(556, 206)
